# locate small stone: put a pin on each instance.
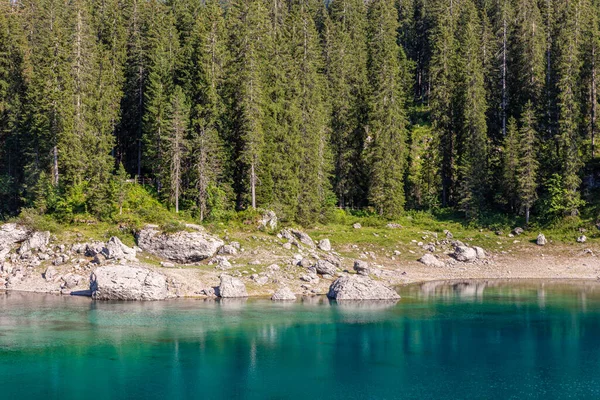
(287, 246)
(431, 261)
(324, 245)
(166, 264)
(518, 231)
(324, 267)
(357, 226)
(581, 239)
(541, 240)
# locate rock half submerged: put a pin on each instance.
(360, 287)
(127, 283)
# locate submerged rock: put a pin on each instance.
(284, 294)
(232, 287)
(359, 287)
(541, 240)
(431, 261)
(181, 247)
(127, 283)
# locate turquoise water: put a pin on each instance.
(452, 341)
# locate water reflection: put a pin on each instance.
(499, 339)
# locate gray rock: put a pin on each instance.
(305, 263)
(50, 273)
(359, 287)
(127, 283)
(464, 254)
(287, 246)
(166, 264)
(11, 234)
(181, 247)
(283, 294)
(448, 234)
(37, 241)
(480, 253)
(362, 267)
(71, 281)
(231, 287)
(303, 238)
(268, 221)
(273, 268)
(431, 261)
(228, 250)
(325, 245)
(394, 226)
(582, 239)
(541, 240)
(324, 267)
(116, 250)
(94, 248)
(357, 226)
(518, 231)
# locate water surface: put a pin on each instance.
(494, 340)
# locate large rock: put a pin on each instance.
(431, 261)
(464, 253)
(359, 287)
(37, 241)
(182, 247)
(362, 267)
(480, 252)
(127, 283)
(116, 250)
(11, 234)
(541, 240)
(324, 267)
(232, 287)
(283, 293)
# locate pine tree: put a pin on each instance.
(345, 49)
(249, 43)
(509, 164)
(473, 154)
(528, 165)
(160, 87)
(311, 125)
(385, 150)
(209, 57)
(568, 66)
(443, 70)
(176, 143)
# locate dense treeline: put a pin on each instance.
(299, 105)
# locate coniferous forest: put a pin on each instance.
(300, 106)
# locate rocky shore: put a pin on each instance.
(281, 265)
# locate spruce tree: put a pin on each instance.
(510, 161)
(176, 143)
(385, 148)
(209, 57)
(473, 152)
(528, 165)
(345, 49)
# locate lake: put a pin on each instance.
(452, 340)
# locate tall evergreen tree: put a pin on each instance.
(385, 149)
(528, 165)
(473, 152)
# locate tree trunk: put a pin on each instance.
(526, 216)
(253, 185)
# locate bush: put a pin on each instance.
(33, 220)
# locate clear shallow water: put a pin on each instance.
(492, 340)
